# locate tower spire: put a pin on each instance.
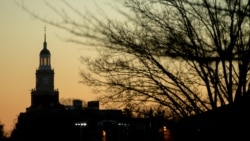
(45, 43)
(45, 33)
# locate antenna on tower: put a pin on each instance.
(45, 33)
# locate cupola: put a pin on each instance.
(44, 56)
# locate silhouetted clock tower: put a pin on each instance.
(44, 95)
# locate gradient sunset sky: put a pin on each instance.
(22, 39)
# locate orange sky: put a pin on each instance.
(21, 41)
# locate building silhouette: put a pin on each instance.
(44, 95)
(47, 120)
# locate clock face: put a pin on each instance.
(46, 80)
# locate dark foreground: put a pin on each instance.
(231, 122)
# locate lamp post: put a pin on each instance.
(81, 125)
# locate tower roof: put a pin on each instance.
(45, 51)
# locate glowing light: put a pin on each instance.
(103, 133)
(164, 128)
(81, 124)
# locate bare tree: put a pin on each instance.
(189, 56)
(70, 101)
(67, 101)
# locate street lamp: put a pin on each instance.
(81, 125)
